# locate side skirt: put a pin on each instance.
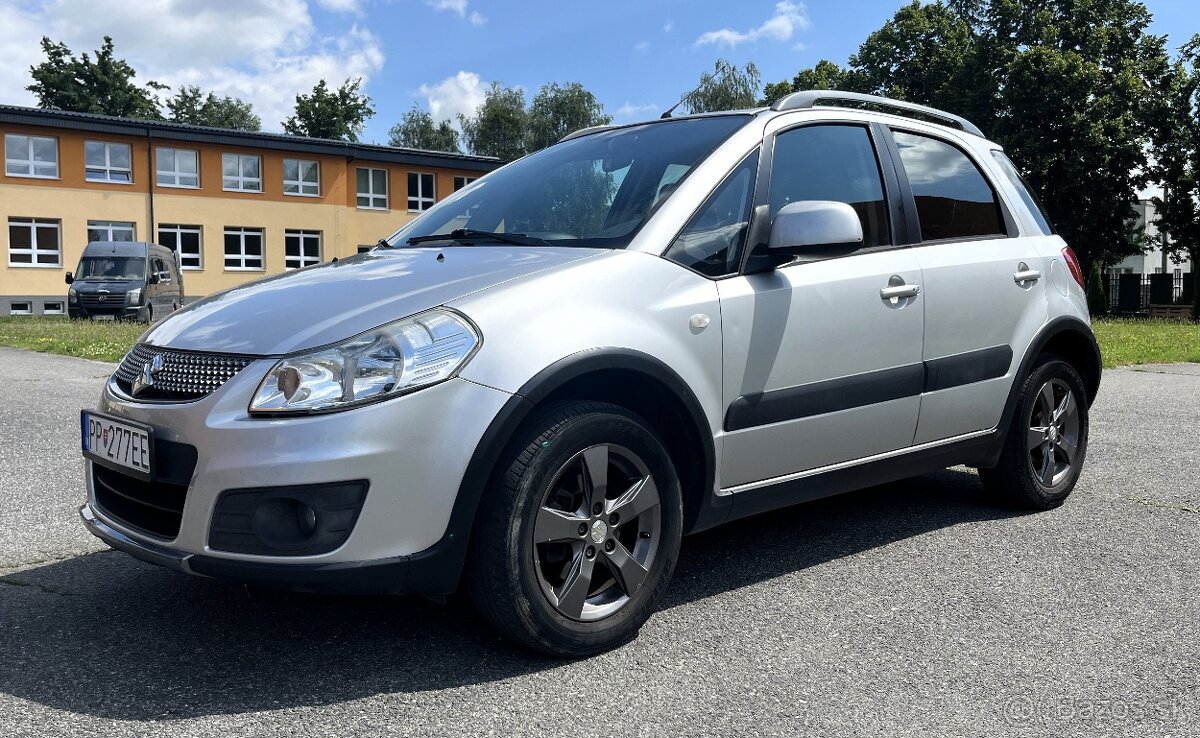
(981, 449)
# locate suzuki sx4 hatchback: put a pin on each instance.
(536, 388)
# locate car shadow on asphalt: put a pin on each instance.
(109, 636)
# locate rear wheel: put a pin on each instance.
(1047, 440)
(579, 531)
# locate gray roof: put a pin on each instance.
(96, 123)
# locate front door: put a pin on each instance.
(822, 358)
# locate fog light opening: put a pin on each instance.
(284, 522)
(306, 518)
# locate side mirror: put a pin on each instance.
(152, 278)
(815, 225)
(70, 278)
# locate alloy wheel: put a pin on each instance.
(1053, 436)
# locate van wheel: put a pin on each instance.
(578, 532)
(1047, 440)
(146, 315)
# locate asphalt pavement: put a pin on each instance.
(919, 608)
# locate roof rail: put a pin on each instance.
(806, 99)
(584, 132)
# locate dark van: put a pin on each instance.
(131, 280)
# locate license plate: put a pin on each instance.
(120, 444)
(104, 317)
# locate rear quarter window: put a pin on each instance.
(1032, 204)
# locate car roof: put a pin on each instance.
(120, 248)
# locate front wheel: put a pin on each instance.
(579, 531)
(1047, 440)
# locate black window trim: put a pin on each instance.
(1012, 229)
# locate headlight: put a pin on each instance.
(134, 296)
(72, 296)
(391, 360)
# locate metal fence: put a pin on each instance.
(1135, 293)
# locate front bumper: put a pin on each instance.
(413, 451)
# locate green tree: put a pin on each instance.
(1097, 299)
(416, 130)
(1177, 162)
(825, 75)
(191, 105)
(557, 111)
(498, 126)
(337, 114)
(725, 88)
(105, 85)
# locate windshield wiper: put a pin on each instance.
(470, 234)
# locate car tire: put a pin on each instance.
(550, 566)
(1046, 443)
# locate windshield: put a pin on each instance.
(111, 267)
(594, 191)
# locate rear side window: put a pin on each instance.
(831, 162)
(1022, 187)
(953, 198)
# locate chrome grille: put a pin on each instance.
(183, 376)
(107, 301)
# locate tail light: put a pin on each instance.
(1073, 264)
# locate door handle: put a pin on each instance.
(899, 291)
(1025, 274)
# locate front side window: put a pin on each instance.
(831, 162)
(301, 177)
(111, 230)
(1022, 187)
(594, 191)
(185, 241)
(953, 198)
(241, 173)
(30, 156)
(107, 162)
(34, 242)
(420, 191)
(177, 167)
(244, 249)
(713, 240)
(301, 249)
(372, 189)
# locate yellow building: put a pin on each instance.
(234, 206)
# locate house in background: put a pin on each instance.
(1155, 260)
(233, 205)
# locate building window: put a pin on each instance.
(364, 249)
(107, 162)
(185, 241)
(52, 308)
(34, 242)
(20, 308)
(420, 191)
(301, 249)
(461, 182)
(241, 173)
(243, 249)
(178, 167)
(30, 156)
(373, 189)
(301, 177)
(111, 230)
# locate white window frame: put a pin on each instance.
(371, 195)
(107, 169)
(111, 226)
(303, 238)
(178, 229)
(28, 309)
(175, 174)
(461, 181)
(241, 179)
(33, 224)
(29, 163)
(53, 308)
(241, 232)
(304, 187)
(422, 200)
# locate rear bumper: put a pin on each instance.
(385, 576)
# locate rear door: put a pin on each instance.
(982, 283)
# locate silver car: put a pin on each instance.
(536, 388)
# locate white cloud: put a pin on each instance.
(641, 47)
(633, 110)
(668, 26)
(788, 18)
(342, 6)
(462, 93)
(263, 51)
(459, 8)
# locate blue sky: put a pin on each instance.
(637, 56)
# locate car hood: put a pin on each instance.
(336, 300)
